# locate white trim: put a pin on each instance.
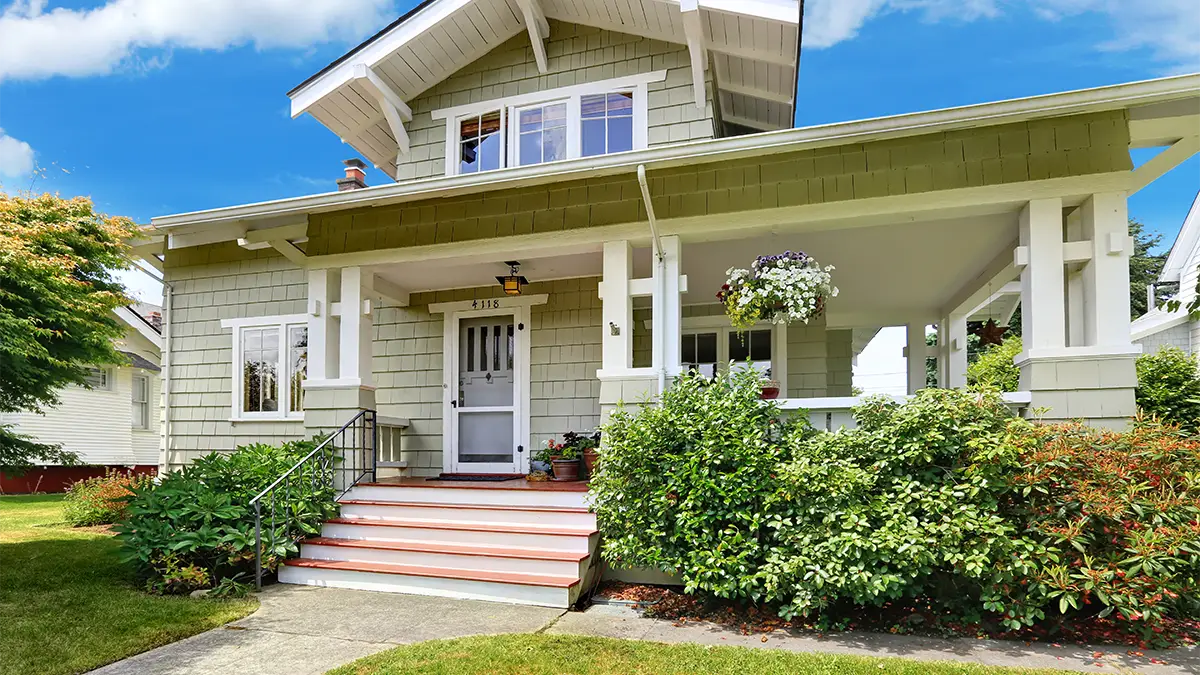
(1161, 321)
(1084, 353)
(1185, 245)
(488, 306)
(281, 323)
(1114, 97)
(139, 324)
(846, 402)
(637, 85)
(134, 403)
(544, 95)
(523, 328)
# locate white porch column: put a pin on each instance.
(355, 335)
(1043, 318)
(667, 310)
(956, 352)
(616, 343)
(1105, 221)
(323, 350)
(1076, 330)
(916, 352)
(943, 339)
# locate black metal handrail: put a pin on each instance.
(339, 463)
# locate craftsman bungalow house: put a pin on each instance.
(621, 156)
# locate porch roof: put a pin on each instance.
(1160, 111)
(754, 45)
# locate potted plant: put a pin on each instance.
(588, 447)
(564, 460)
(782, 289)
(770, 390)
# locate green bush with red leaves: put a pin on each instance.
(101, 500)
(1119, 515)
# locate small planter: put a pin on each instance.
(770, 390)
(590, 457)
(565, 469)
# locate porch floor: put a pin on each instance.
(516, 484)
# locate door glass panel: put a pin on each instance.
(699, 353)
(485, 437)
(751, 349)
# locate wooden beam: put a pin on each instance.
(753, 92)
(390, 291)
(693, 30)
(290, 231)
(747, 122)
(289, 251)
(395, 111)
(539, 31)
(1163, 162)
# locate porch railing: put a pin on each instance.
(833, 412)
(391, 442)
(294, 506)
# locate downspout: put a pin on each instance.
(165, 363)
(662, 273)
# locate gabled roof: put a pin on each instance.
(139, 324)
(753, 46)
(1185, 244)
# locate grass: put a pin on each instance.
(560, 654)
(67, 603)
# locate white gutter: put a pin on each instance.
(725, 149)
(660, 292)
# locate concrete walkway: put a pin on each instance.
(302, 630)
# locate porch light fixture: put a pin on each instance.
(513, 282)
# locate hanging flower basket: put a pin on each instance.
(782, 289)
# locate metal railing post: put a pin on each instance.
(258, 546)
(374, 448)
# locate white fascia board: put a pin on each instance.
(382, 47)
(136, 322)
(781, 11)
(548, 95)
(1114, 97)
(1186, 243)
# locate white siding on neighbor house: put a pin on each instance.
(1176, 336)
(576, 55)
(97, 424)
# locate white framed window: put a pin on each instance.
(140, 393)
(585, 120)
(99, 378)
(270, 363)
(708, 348)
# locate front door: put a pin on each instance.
(485, 415)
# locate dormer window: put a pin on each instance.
(586, 120)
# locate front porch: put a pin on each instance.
(481, 380)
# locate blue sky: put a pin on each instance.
(164, 106)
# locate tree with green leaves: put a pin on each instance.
(57, 296)
(1144, 266)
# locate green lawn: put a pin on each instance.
(555, 655)
(67, 604)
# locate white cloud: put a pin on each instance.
(1168, 29)
(16, 157)
(38, 43)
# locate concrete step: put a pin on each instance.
(450, 556)
(564, 516)
(529, 589)
(498, 535)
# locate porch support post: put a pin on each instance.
(323, 291)
(917, 352)
(1043, 318)
(667, 309)
(339, 382)
(956, 352)
(943, 353)
(616, 344)
(1078, 361)
(356, 325)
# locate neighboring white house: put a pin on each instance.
(115, 423)
(1160, 328)
(621, 156)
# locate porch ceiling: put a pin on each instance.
(887, 274)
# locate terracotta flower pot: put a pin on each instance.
(770, 390)
(565, 469)
(590, 456)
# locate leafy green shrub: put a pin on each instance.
(995, 368)
(1169, 387)
(1119, 514)
(904, 506)
(688, 485)
(101, 500)
(196, 527)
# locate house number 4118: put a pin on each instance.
(485, 304)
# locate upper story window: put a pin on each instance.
(99, 378)
(585, 120)
(270, 365)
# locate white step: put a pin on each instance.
(428, 554)
(548, 596)
(466, 495)
(573, 517)
(468, 533)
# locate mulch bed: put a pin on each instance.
(896, 618)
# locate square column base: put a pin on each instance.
(1097, 388)
(330, 404)
(630, 390)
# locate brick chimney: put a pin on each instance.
(356, 176)
(155, 319)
